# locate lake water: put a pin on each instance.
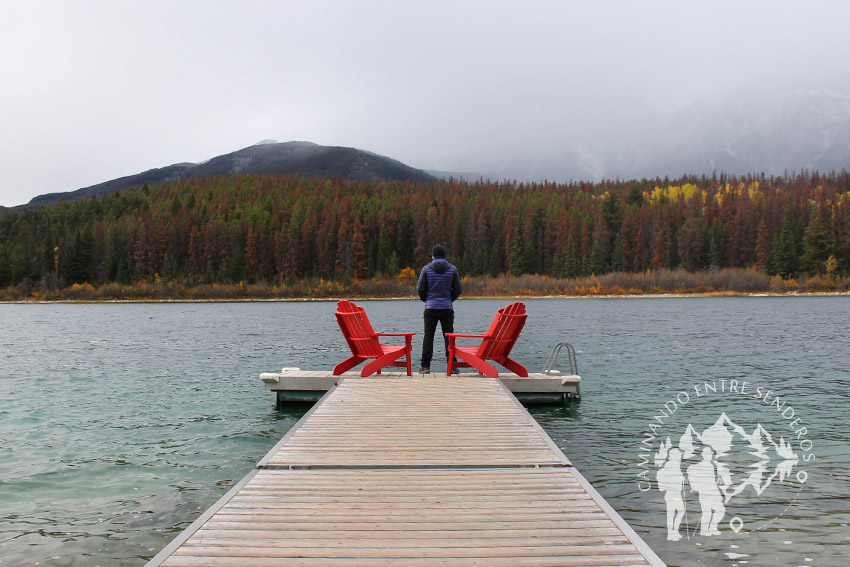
(121, 423)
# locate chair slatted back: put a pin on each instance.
(503, 332)
(357, 329)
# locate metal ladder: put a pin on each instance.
(553, 356)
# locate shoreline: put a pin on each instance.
(715, 294)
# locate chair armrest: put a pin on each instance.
(463, 335)
(394, 334)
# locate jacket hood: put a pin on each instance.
(440, 265)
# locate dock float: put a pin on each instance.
(293, 385)
(412, 471)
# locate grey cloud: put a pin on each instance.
(97, 90)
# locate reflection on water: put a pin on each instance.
(120, 423)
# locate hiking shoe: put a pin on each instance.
(424, 370)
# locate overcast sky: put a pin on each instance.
(98, 90)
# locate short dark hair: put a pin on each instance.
(439, 251)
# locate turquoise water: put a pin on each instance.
(121, 423)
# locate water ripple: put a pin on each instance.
(121, 423)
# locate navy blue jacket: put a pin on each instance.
(439, 284)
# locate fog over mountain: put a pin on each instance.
(737, 132)
(539, 89)
(774, 131)
(754, 131)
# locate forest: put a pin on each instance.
(272, 236)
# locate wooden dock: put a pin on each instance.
(414, 471)
(296, 385)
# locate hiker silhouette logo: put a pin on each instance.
(726, 476)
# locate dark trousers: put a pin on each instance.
(446, 318)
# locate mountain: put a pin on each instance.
(303, 159)
(757, 131)
(752, 130)
(737, 132)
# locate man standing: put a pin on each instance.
(671, 482)
(439, 286)
(703, 479)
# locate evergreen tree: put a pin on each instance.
(818, 246)
(384, 252)
(518, 263)
(718, 241)
(79, 261)
(284, 229)
(618, 260)
(5, 264)
(762, 246)
(572, 262)
(784, 260)
(635, 196)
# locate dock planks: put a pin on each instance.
(417, 422)
(423, 471)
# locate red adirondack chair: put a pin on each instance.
(364, 344)
(496, 344)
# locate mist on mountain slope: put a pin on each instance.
(752, 130)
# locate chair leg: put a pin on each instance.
(477, 363)
(376, 365)
(515, 367)
(347, 364)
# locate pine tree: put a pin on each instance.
(618, 260)
(517, 264)
(784, 259)
(818, 246)
(762, 247)
(79, 260)
(717, 244)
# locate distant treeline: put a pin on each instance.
(276, 232)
